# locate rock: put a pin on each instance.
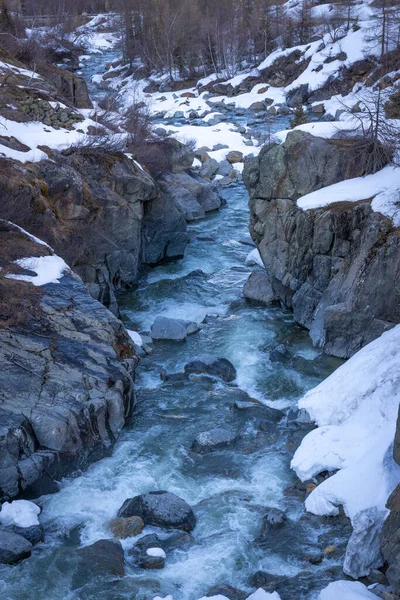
(178, 115)
(189, 190)
(214, 439)
(104, 557)
(34, 534)
(124, 528)
(162, 509)
(164, 328)
(148, 553)
(274, 519)
(318, 108)
(209, 168)
(211, 365)
(259, 106)
(323, 263)
(13, 548)
(77, 358)
(298, 96)
(188, 95)
(224, 168)
(226, 591)
(390, 538)
(258, 289)
(282, 354)
(179, 540)
(190, 326)
(234, 157)
(363, 549)
(180, 155)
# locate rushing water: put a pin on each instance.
(229, 490)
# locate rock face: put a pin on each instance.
(337, 267)
(390, 539)
(161, 509)
(66, 375)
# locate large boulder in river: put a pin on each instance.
(104, 557)
(337, 267)
(258, 289)
(164, 328)
(214, 439)
(211, 365)
(13, 547)
(162, 509)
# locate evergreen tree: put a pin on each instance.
(299, 116)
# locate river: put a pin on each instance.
(230, 489)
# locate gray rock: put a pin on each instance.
(390, 538)
(13, 547)
(363, 551)
(209, 168)
(274, 519)
(161, 509)
(298, 96)
(211, 365)
(104, 557)
(225, 168)
(227, 591)
(34, 534)
(164, 328)
(140, 556)
(258, 289)
(334, 266)
(214, 439)
(191, 194)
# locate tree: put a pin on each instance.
(299, 116)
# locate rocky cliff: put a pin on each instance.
(337, 267)
(66, 370)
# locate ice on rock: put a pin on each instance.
(261, 594)
(21, 513)
(346, 590)
(356, 411)
(156, 552)
(135, 337)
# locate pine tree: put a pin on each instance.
(299, 116)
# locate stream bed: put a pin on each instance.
(230, 489)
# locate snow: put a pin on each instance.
(346, 590)
(324, 129)
(135, 337)
(261, 594)
(355, 410)
(21, 513)
(254, 258)
(18, 70)
(48, 269)
(156, 552)
(383, 187)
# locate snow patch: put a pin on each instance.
(21, 513)
(135, 337)
(156, 552)
(48, 269)
(254, 258)
(346, 590)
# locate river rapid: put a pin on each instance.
(229, 489)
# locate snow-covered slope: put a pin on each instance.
(355, 410)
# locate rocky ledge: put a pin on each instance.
(66, 369)
(337, 267)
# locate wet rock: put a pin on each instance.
(298, 417)
(164, 328)
(274, 519)
(13, 547)
(258, 289)
(34, 534)
(148, 552)
(162, 509)
(104, 557)
(178, 540)
(214, 439)
(211, 365)
(204, 237)
(227, 591)
(282, 354)
(124, 528)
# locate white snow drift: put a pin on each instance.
(21, 513)
(355, 410)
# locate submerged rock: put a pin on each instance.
(162, 509)
(211, 365)
(124, 528)
(13, 547)
(214, 439)
(272, 520)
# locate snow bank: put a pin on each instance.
(21, 513)
(346, 590)
(328, 129)
(355, 410)
(383, 187)
(48, 269)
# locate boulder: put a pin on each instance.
(298, 96)
(258, 106)
(226, 591)
(326, 264)
(13, 547)
(234, 156)
(162, 509)
(124, 528)
(258, 289)
(204, 196)
(214, 439)
(274, 519)
(148, 552)
(104, 557)
(209, 168)
(188, 95)
(210, 365)
(34, 534)
(175, 330)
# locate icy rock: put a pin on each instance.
(21, 513)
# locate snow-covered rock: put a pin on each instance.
(47, 269)
(21, 513)
(158, 552)
(346, 590)
(355, 410)
(254, 258)
(261, 594)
